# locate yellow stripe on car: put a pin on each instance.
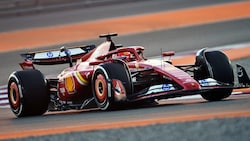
(80, 79)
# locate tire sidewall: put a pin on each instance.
(14, 85)
(103, 102)
(31, 87)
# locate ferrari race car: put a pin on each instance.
(110, 76)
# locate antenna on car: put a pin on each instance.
(161, 58)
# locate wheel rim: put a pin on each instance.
(14, 96)
(101, 88)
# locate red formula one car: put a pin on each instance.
(110, 75)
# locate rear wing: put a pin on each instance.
(57, 56)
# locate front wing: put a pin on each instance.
(165, 91)
(175, 93)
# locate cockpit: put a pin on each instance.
(128, 54)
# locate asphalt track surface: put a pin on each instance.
(180, 39)
(171, 111)
(100, 12)
(52, 35)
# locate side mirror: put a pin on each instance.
(168, 53)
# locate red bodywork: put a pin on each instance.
(109, 76)
(75, 83)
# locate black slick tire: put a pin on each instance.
(27, 93)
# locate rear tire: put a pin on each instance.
(102, 84)
(27, 93)
(222, 71)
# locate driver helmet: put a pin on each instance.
(124, 54)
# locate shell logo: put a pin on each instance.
(70, 84)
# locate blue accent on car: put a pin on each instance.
(166, 87)
(67, 52)
(50, 54)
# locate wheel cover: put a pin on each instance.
(101, 88)
(14, 96)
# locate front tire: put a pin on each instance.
(102, 88)
(27, 93)
(219, 68)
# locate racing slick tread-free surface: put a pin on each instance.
(35, 98)
(222, 72)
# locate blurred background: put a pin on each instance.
(183, 26)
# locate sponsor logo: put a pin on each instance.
(50, 54)
(70, 84)
(167, 87)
